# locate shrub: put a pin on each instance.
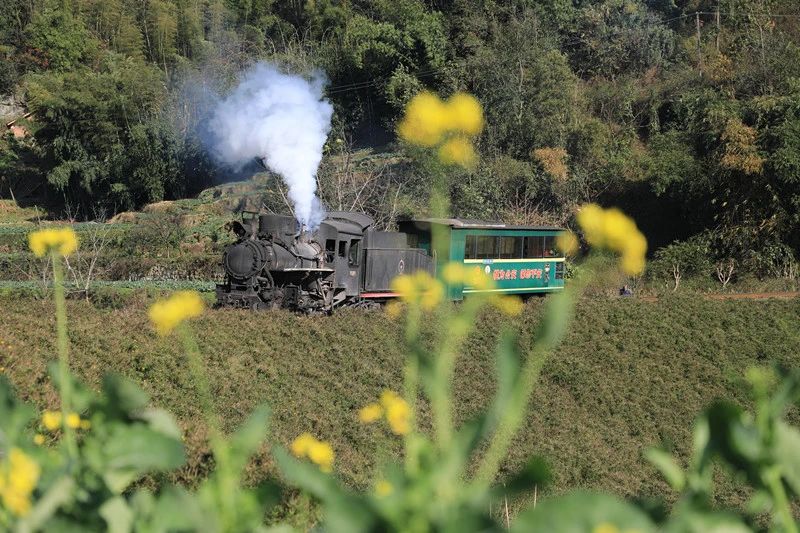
(681, 259)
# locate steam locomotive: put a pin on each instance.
(344, 262)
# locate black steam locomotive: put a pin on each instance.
(344, 262)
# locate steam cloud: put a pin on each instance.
(283, 120)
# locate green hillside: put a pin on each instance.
(631, 374)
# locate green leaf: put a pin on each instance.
(508, 365)
(732, 436)
(81, 396)
(787, 453)
(14, 415)
(123, 394)
(450, 466)
(60, 492)
(582, 512)
(555, 320)
(761, 502)
(132, 450)
(117, 515)
(668, 467)
(177, 510)
(161, 421)
(251, 434)
(343, 511)
(689, 520)
(308, 477)
(701, 436)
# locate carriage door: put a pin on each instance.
(346, 269)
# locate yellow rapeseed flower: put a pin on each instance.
(612, 229)
(404, 286)
(477, 279)
(454, 273)
(167, 314)
(18, 478)
(62, 241)
(458, 151)
(388, 397)
(510, 305)
(321, 454)
(370, 413)
(394, 309)
(567, 242)
(617, 228)
(38, 439)
(399, 418)
(398, 412)
(418, 288)
(86, 424)
(73, 421)
(383, 488)
(302, 444)
(590, 218)
(465, 114)
(51, 420)
(426, 120)
(429, 121)
(432, 296)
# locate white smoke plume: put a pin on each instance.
(283, 120)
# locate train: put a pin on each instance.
(346, 262)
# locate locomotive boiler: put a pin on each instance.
(344, 262)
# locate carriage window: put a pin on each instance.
(342, 248)
(560, 270)
(486, 247)
(510, 248)
(330, 250)
(353, 261)
(550, 249)
(470, 247)
(533, 247)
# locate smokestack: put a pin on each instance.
(283, 121)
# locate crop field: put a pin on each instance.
(630, 374)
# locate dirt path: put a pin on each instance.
(784, 295)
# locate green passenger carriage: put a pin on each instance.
(521, 260)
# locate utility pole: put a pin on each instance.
(719, 26)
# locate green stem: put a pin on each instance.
(458, 327)
(784, 510)
(228, 479)
(411, 384)
(64, 378)
(509, 425)
(552, 330)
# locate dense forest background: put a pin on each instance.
(685, 113)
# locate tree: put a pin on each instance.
(61, 38)
(616, 37)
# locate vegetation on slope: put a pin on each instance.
(631, 374)
(694, 132)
